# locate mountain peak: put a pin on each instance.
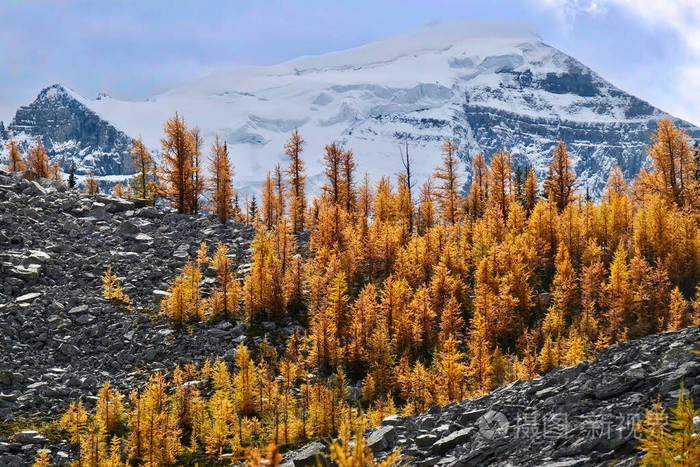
(53, 92)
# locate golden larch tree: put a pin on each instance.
(560, 183)
(220, 183)
(333, 170)
(297, 180)
(448, 188)
(16, 162)
(142, 183)
(198, 182)
(225, 298)
(39, 160)
(530, 190)
(178, 164)
(91, 185)
(674, 165)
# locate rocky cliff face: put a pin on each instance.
(71, 133)
(578, 416)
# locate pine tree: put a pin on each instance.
(155, 436)
(293, 148)
(220, 181)
(337, 304)
(480, 343)
(423, 315)
(39, 160)
(178, 164)
(448, 189)
(71, 176)
(560, 183)
(142, 183)
(479, 190)
(426, 208)
(16, 163)
(670, 443)
(617, 185)
(363, 318)
(74, 421)
(263, 288)
(221, 417)
(451, 321)
(406, 186)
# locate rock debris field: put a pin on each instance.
(61, 340)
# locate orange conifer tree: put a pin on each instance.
(297, 180)
(220, 183)
(16, 163)
(178, 161)
(143, 183)
(39, 160)
(449, 186)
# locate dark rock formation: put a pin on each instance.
(581, 415)
(71, 133)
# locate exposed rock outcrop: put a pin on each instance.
(577, 416)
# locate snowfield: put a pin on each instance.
(487, 88)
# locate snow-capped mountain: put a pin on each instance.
(71, 133)
(488, 89)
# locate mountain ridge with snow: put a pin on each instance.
(487, 88)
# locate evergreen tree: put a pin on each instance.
(71, 176)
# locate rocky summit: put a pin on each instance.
(577, 416)
(71, 133)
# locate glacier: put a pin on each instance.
(487, 88)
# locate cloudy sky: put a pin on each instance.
(132, 49)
